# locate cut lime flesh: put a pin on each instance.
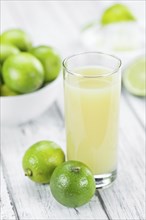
(134, 77)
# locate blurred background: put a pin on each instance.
(78, 26)
(59, 23)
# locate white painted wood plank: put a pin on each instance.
(126, 199)
(138, 106)
(34, 201)
(7, 212)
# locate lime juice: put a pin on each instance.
(92, 112)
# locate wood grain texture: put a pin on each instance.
(138, 106)
(7, 205)
(127, 196)
(34, 201)
(58, 23)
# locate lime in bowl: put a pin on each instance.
(22, 108)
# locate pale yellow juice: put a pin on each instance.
(92, 112)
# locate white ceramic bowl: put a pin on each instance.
(22, 108)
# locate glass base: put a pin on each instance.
(105, 180)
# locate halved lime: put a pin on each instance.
(117, 13)
(134, 77)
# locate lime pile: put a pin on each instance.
(72, 183)
(134, 77)
(24, 68)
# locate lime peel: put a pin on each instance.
(72, 184)
(117, 13)
(40, 160)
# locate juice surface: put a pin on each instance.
(92, 110)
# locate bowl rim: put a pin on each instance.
(55, 81)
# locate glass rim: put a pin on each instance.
(91, 76)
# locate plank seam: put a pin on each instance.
(97, 193)
(8, 186)
(59, 113)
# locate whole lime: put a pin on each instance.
(41, 159)
(7, 50)
(72, 184)
(50, 60)
(23, 73)
(117, 13)
(5, 91)
(18, 38)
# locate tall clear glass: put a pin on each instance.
(92, 84)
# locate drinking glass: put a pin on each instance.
(92, 85)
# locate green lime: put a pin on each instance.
(1, 78)
(7, 50)
(23, 73)
(50, 60)
(41, 159)
(72, 184)
(18, 38)
(117, 13)
(134, 77)
(5, 91)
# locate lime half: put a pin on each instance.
(134, 77)
(117, 13)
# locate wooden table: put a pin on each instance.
(58, 23)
